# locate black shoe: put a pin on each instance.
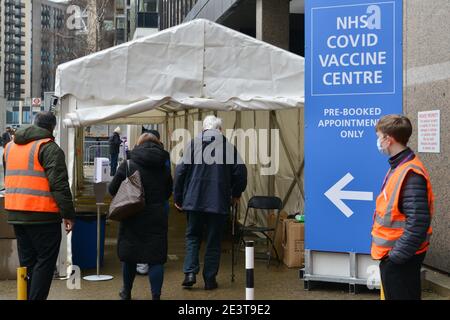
(124, 294)
(156, 297)
(189, 280)
(211, 285)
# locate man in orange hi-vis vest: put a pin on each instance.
(402, 220)
(37, 199)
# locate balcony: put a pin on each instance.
(19, 14)
(17, 72)
(147, 20)
(18, 82)
(19, 4)
(18, 33)
(9, 31)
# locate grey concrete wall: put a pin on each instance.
(272, 22)
(426, 39)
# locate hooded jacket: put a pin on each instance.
(143, 238)
(209, 175)
(52, 159)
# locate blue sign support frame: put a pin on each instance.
(353, 76)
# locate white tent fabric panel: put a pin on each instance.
(241, 66)
(166, 62)
(292, 125)
(199, 64)
(257, 184)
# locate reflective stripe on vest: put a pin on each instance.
(389, 223)
(8, 147)
(391, 243)
(386, 221)
(30, 172)
(32, 192)
(26, 184)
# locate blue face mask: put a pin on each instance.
(380, 148)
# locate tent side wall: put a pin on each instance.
(291, 123)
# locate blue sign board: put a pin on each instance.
(353, 77)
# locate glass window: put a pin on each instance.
(148, 5)
(12, 115)
(120, 23)
(26, 115)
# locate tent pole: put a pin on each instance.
(173, 123)
(79, 134)
(186, 124)
(238, 121)
(271, 178)
(166, 129)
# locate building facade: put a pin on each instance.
(121, 23)
(32, 45)
(48, 45)
(14, 65)
(136, 18)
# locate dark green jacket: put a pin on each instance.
(52, 159)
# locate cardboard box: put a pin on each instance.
(9, 259)
(279, 232)
(293, 243)
(6, 230)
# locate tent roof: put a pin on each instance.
(198, 64)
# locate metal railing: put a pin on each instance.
(95, 149)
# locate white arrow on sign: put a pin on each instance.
(336, 195)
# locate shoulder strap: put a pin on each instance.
(127, 168)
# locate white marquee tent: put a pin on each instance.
(181, 74)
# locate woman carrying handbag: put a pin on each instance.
(143, 236)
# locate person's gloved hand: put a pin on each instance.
(68, 224)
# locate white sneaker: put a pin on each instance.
(142, 268)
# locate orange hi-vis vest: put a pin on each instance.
(389, 222)
(26, 185)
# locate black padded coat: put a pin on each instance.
(143, 238)
(413, 203)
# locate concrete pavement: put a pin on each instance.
(278, 283)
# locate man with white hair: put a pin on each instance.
(114, 149)
(210, 177)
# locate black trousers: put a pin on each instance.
(402, 281)
(38, 247)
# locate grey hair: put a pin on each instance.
(212, 122)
